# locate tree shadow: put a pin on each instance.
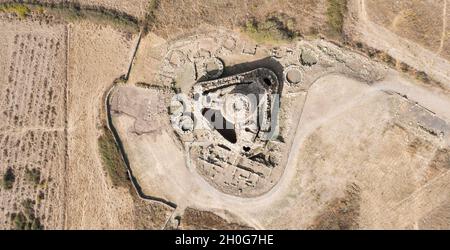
(268, 63)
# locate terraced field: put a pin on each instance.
(366, 145)
(136, 8)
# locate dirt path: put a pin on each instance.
(409, 211)
(444, 27)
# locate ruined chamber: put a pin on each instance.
(230, 129)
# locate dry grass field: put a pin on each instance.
(136, 8)
(385, 167)
(426, 23)
(52, 95)
(92, 192)
(423, 22)
(301, 17)
(33, 123)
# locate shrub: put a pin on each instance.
(275, 29)
(335, 17)
(112, 160)
(28, 207)
(422, 76)
(20, 10)
(150, 16)
(8, 179)
(26, 219)
(403, 67)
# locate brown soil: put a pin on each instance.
(136, 8)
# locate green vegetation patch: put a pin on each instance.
(21, 222)
(20, 10)
(74, 12)
(335, 17)
(112, 160)
(8, 179)
(26, 219)
(33, 175)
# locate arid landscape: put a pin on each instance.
(255, 114)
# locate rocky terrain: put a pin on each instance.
(90, 137)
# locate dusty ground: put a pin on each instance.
(379, 166)
(94, 203)
(389, 170)
(136, 8)
(437, 219)
(384, 25)
(43, 130)
(376, 177)
(419, 21)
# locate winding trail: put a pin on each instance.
(124, 156)
(400, 48)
